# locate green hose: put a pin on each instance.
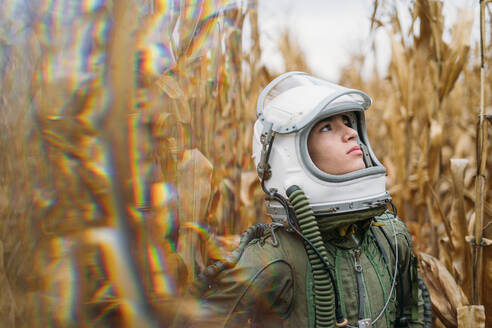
(325, 300)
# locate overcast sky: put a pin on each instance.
(329, 31)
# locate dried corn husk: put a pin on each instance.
(461, 252)
(194, 192)
(446, 295)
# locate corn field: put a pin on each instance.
(125, 133)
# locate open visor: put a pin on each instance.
(293, 99)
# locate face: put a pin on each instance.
(332, 145)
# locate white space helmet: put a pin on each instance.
(287, 110)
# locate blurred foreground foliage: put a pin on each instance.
(126, 170)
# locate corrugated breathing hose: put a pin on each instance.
(427, 303)
(325, 293)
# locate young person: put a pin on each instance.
(334, 255)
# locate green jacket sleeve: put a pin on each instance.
(410, 297)
(260, 284)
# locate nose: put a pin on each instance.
(349, 134)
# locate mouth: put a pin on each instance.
(355, 151)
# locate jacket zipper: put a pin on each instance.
(360, 283)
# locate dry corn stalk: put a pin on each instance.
(481, 154)
(471, 316)
(194, 189)
(460, 250)
(446, 295)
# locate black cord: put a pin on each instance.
(393, 207)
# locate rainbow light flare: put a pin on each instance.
(154, 40)
(162, 272)
(213, 248)
(70, 98)
(164, 198)
(183, 29)
(75, 35)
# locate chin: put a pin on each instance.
(355, 168)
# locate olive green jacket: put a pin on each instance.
(272, 285)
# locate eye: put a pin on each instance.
(346, 121)
(325, 127)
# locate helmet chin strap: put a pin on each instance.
(264, 170)
(365, 153)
